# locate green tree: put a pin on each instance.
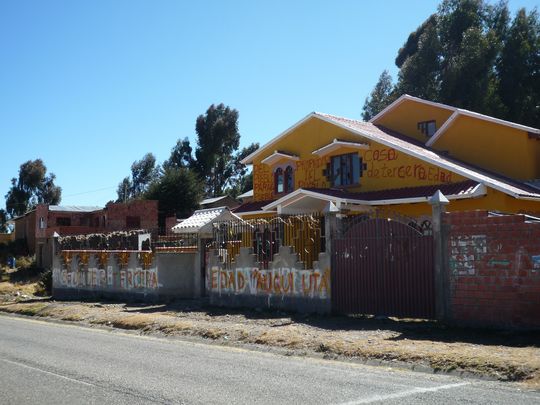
(470, 54)
(33, 186)
(3, 221)
(143, 172)
(419, 74)
(380, 97)
(241, 181)
(181, 155)
(519, 69)
(124, 190)
(217, 140)
(178, 191)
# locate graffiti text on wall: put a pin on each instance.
(282, 281)
(384, 163)
(100, 278)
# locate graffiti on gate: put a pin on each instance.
(282, 281)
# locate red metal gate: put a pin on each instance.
(383, 267)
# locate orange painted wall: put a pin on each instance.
(386, 168)
(493, 201)
(492, 146)
(405, 117)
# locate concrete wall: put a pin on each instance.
(121, 276)
(494, 270)
(44, 252)
(285, 285)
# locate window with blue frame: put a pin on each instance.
(345, 170)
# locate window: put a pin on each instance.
(345, 170)
(63, 221)
(133, 222)
(279, 181)
(284, 180)
(428, 128)
(289, 179)
(41, 223)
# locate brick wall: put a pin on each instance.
(494, 269)
(169, 223)
(145, 210)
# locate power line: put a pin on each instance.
(90, 191)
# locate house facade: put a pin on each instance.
(397, 161)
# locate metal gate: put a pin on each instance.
(383, 266)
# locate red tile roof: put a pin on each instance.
(400, 193)
(251, 206)
(413, 148)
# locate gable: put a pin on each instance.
(492, 146)
(406, 114)
(383, 166)
(302, 140)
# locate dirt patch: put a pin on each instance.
(502, 355)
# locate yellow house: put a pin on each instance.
(397, 161)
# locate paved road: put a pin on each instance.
(46, 363)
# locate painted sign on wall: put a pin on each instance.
(281, 281)
(395, 168)
(126, 279)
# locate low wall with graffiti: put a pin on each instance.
(494, 269)
(127, 275)
(285, 284)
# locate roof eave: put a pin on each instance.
(249, 158)
(405, 97)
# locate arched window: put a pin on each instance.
(279, 181)
(284, 180)
(289, 179)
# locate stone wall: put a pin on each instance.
(284, 285)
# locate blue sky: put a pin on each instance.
(91, 86)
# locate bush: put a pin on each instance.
(45, 283)
(27, 270)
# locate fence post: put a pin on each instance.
(438, 203)
(330, 225)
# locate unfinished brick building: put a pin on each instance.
(38, 226)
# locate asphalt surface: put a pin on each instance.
(49, 363)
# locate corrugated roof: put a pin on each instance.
(201, 218)
(246, 194)
(74, 208)
(212, 200)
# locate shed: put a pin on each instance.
(201, 221)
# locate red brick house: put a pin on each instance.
(38, 226)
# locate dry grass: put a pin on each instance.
(8, 288)
(137, 321)
(31, 309)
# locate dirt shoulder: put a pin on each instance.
(420, 345)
